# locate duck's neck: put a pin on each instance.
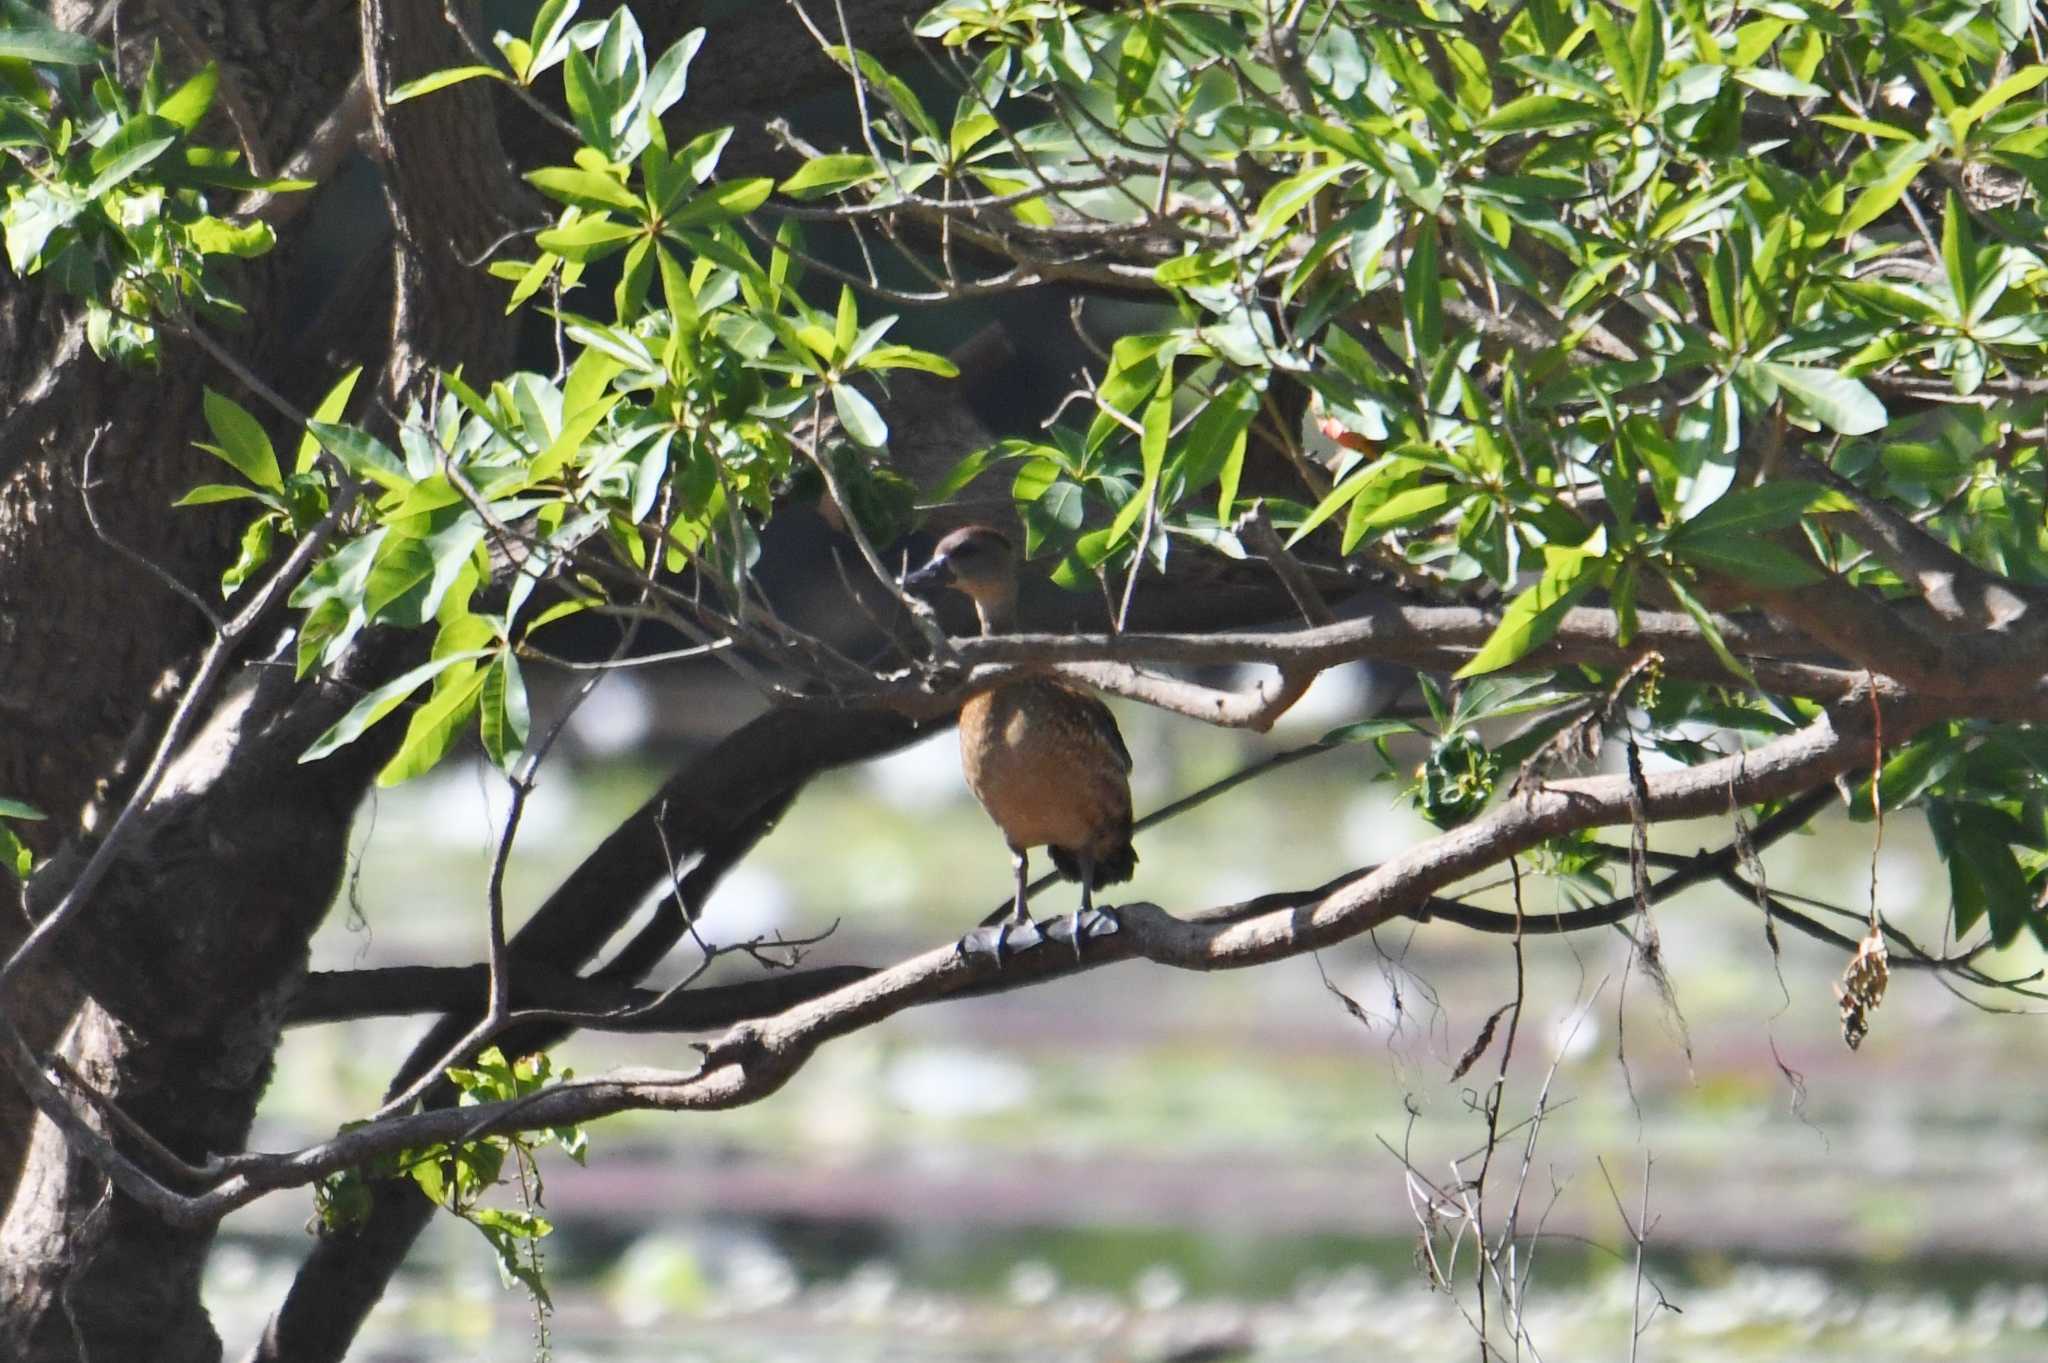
(997, 610)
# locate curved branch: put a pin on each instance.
(1384, 628)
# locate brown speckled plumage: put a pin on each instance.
(1049, 766)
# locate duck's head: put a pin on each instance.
(980, 563)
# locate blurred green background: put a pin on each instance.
(1147, 1164)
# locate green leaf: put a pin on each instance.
(559, 611)
(961, 474)
(1628, 75)
(1646, 51)
(824, 175)
(585, 189)
(1759, 562)
(434, 728)
(590, 103)
(187, 104)
(970, 127)
(576, 426)
(1215, 440)
(670, 74)
(1365, 731)
(694, 164)
(382, 702)
(1137, 63)
(858, 416)
(141, 140)
(549, 26)
(899, 95)
(330, 410)
(1836, 401)
(1154, 428)
(1708, 629)
(1533, 617)
(845, 324)
(1285, 201)
(1783, 84)
(1048, 500)
(1910, 772)
(1335, 500)
(243, 442)
(723, 202)
(255, 552)
(1532, 113)
(586, 239)
(504, 709)
(441, 80)
(1959, 252)
(361, 453)
(906, 357)
(1422, 293)
(244, 240)
(32, 42)
(1878, 200)
(1761, 509)
(1985, 879)
(1923, 462)
(413, 574)
(14, 854)
(1414, 504)
(1997, 97)
(207, 494)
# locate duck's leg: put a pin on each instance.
(1000, 929)
(1020, 907)
(1086, 913)
(1087, 921)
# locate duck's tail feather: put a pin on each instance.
(1113, 867)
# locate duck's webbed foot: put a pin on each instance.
(995, 939)
(1083, 926)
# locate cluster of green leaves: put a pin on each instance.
(1560, 281)
(105, 191)
(1410, 171)
(457, 1176)
(663, 446)
(1533, 293)
(974, 154)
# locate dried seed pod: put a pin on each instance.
(1862, 986)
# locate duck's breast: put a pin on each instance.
(1041, 765)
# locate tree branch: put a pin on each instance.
(755, 1058)
(607, 1006)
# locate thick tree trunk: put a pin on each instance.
(192, 945)
(195, 944)
(86, 634)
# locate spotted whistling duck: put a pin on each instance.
(1045, 760)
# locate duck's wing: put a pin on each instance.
(1103, 724)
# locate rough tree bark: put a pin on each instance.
(84, 634)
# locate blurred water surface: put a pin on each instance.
(1147, 1165)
